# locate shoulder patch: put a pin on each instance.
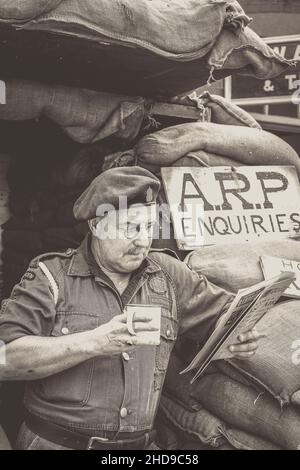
(158, 285)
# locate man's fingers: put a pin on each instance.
(122, 328)
(251, 335)
(143, 342)
(141, 317)
(239, 348)
(134, 340)
(122, 339)
(245, 355)
(143, 327)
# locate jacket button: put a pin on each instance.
(65, 331)
(168, 333)
(126, 356)
(124, 412)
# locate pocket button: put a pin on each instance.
(65, 331)
(126, 357)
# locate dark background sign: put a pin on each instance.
(284, 85)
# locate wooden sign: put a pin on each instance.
(228, 205)
(272, 266)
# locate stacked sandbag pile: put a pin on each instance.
(134, 47)
(253, 404)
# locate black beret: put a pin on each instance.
(134, 182)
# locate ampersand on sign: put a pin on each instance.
(268, 86)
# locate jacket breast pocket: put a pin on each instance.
(71, 386)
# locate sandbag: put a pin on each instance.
(223, 111)
(275, 365)
(243, 144)
(248, 53)
(167, 437)
(233, 373)
(119, 159)
(237, 268)
(243, 408)
(179, 389)
(296, 398)
(86, 116)
(242, 440)
(201, 424)
(199, 158)
(151, 25)
(179, 386)
(25, 10)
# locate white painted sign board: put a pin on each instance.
(228, 205)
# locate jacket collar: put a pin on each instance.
(83, 263)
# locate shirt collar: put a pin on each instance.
(83, 263)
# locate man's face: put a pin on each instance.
(123, 238)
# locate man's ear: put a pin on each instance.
(93, 225)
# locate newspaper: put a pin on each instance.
(247, 308)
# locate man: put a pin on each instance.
(92, 383)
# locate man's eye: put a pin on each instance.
(132, 229)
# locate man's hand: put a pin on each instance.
(247, 346)
(113, 337)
